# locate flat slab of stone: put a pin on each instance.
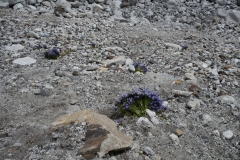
(15, 47)
(119, 59)
(24, 61)
(4, 4)
(161, 77)
(102, 135)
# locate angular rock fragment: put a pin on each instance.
(119, 59)
(176, 46)
(15, 47)
(228, 134)
(102, 135)
(24, 61)
(193, 104)
(182, 93)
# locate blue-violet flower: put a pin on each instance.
(136, 102)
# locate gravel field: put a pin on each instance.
(194, 68)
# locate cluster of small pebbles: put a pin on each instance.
(191, 51)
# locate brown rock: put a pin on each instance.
(228, 66)
(94, 138)
(194, 88)
(178, 82)
(102, 134)
(178, 132)
(59, 11)
(13, 149)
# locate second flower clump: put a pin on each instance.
(140, 68)
(136, 102)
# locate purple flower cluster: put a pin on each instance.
(136, 102)
(52, 53)
(140, 68)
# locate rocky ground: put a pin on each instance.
(191, 53)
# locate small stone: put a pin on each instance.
(228, 134)
(131, 68)
(174, 138)
(17, 6)
(153, 117)
(73, 101)
(32, 34)
(213, 71)
(225, 98)
(178, 132)
(115, 60)
(144, 121)
(173, 45)
(37, 91)
(206, 119)
(129, 61)
(191, 78)
(102, 69)
(216, 133)
(194, 88)
(17, 144)
(4, 4)
(182, 93)
(65, 143)
(228, 66)
(178, 82)
(75, 73)
(15, 47)
(193, 104)
(97, 7)
(24, 61)
(148, 151)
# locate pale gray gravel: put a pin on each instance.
(34, 96)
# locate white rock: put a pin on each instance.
(144, 121)
(32, 34)
(4, 4)
(191, 78)
(174, 138)
(183, 93)
(228, 134)
(48, 86)
(131, 68)
(63, 3)
(129, 61)
(152, 116)
(97, 7)
(206, 119)
(150, 113)
(24, 61)
(193, 104)
(32, 2)
(113, 49)
(15, 47)
(173, 45)
(33, 8)
(225, 98)
(189, 65)
(17, 6)
(214, 71)
(165, 103)
(114, 60)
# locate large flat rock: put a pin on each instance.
(102, 135)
